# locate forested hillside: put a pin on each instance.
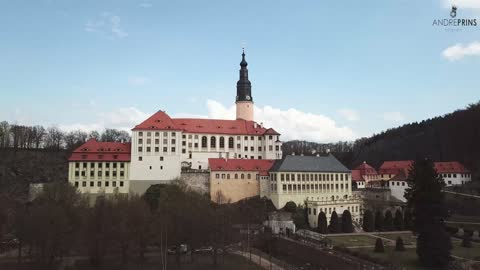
(455, 136)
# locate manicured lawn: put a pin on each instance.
(351, 241)
(407, 237)
(472, 253)
(407, 259)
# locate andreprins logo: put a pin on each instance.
(454, 21)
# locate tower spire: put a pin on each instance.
(244, 87)
(244, 100)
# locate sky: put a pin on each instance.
(322, 71)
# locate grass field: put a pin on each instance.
(472, 253)
(353, 240)
(407, 237)
(407, 259)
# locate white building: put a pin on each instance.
(453, 173)
(320, 182)
(162, 146)
(100, 167)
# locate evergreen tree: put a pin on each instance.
(334, 226)
(379, 246)
(407, 220)
(398, 220)
(368, 221)
(290, 207)
(399, 244)
(347, 226)
(388, 221)
(379, 221)
(322, 223)
(425, 198)
(466, 241)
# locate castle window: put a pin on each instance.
(92, 184)
(76, 184)
(246, 138)
(173, 149)
(165, 149)
(230, 142)
(173, 141)
(122, 173)
(140, 149)
(157, 141)
(217, 176)
(249, 176)
(139, 158)
(157, 149)
(77, 165)
(236, 176)
(121, 183)
(77, 174)
(213, 142)
(148, 149)
(246, 148)
(204, 141)
(84, 184)
(156, 134)
(242, 176)
(149, 134)
(222, 142)
(140, 133)
(149, 141)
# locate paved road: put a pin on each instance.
(462, 194)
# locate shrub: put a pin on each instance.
(379, 248)
(290, 207)
(466, 242)
(399, 244)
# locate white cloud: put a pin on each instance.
(146, 5)
(138, 80)
(462, 4)
(122, 118)
(459, 51)
(349, 114)
(393, 116)
(107, 25)
(292, 123)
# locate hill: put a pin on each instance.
(19, 167)
(454, 136)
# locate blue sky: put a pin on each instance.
(340, 69)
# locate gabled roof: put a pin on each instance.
(222, 164)
(162, 121)
(394, 167)
(309, 164)
(366, 169)
(357, 176)
(450, 167)
(158, 121)
(93, 150)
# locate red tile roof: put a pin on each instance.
(450, 167)
(94, 150)
(366, 169)
(395, 167)
(221, 164)
(357, 176)
(161, 121)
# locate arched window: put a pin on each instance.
(222, 142)
(204, 142)
(230, 142)
(242, 176)
(249, 176)
(236, 176)
(213, 142)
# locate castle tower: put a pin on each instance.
(244, 101)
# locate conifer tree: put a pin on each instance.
(398, 220)
(379, 246)
(388, 221)
(347, 226)
(399, 244)
(322, 223)
(379, 221)
(368, 221)
(334, 226)
(425, 198)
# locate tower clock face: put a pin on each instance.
(248, 97)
